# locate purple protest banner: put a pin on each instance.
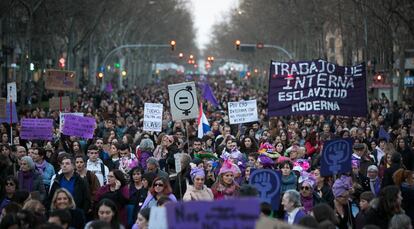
(232, 213)
(317, 87)
(79, 126)
(36, 129)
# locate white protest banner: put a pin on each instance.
(158, 218)
(62, 118)
(178, 157)
(183, 101)
(153, 117)
(243, 111)
(11, 92)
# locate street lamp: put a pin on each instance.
(172, 43)
(237, 42)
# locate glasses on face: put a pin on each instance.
(158, 185)
(10, 184)
(307, 188)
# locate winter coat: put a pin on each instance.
(289, 182)
(194, 194)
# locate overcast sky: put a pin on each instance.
(208, 12)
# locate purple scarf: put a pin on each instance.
(26, 180)
(307, 203)
(41, 167)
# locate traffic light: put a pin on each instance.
(117, 65)
(62, 62)
(172, 43)
(237, 42)
(379, 78)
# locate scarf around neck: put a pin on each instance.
(41, 167)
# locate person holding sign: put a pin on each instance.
(199, 190)
(225, 186)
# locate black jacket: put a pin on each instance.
(81, 192)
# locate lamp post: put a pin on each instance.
(137, 46)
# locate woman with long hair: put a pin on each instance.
(116, 190)
(107, 211)
(62, 199)
(248, 145)
(385, 207)
(160, 187)
(312, 144)
(137, 193)
(406, 153)
(225, 187)
(10, 186)
(405, 180)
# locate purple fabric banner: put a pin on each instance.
(83, 127)
(317, 87)
(232, 213)
(36, 129)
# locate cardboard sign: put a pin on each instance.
(153, 117)
(15, 119)
(36, 129)
(268, 183)
(243, 111)
(83, 127)
(234, 213)
(60, 80)
(3, 103)
(62, 118)
(54, 103)
(12, 92)
(183, 101)
(336, 157)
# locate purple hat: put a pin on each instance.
(228, 167)
(341, 185)
(197, 172)
(265, 161)
(307, 178)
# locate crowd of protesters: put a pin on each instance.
(113, 180)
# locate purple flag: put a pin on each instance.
(232, 213)
(317, 87)
(382, 133)
(79, 126)
(109, 88)
(39, 129)
(209, 96)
